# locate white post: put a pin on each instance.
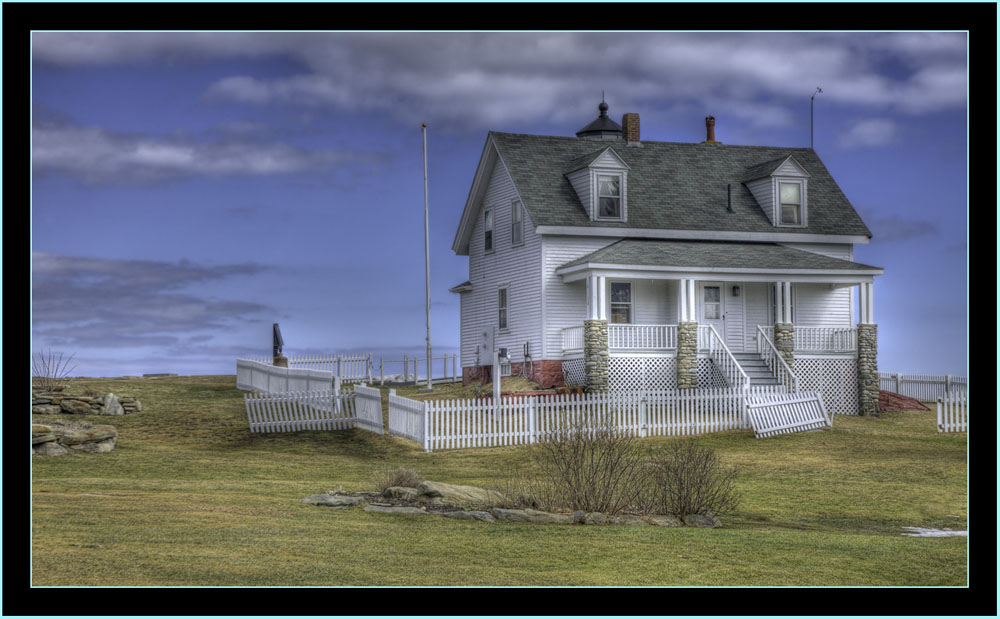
(369, 362)
(532, 422)
(381, 371)
(427, 428)
(339, 359)
(682, 288)
(787, 304)
(496, 383)
(406, 369)
(691, 297)
(602, 305)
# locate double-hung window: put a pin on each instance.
(791, 203)
(621, 302)
(516, 223)
(488, 230)
(502, 308)
(609, 196)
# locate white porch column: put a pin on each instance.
(686, 301)
(866, 304)
(592, 297)
(787, 306)
(682, 301)
(602, 300)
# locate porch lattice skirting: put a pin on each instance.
(710, 376)
(573, 373)
(635, 373)
(835, 379)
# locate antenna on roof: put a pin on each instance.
(819, 91)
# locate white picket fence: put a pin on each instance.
(782, 413)
(350, 368)
(921, 386)
(458, 424)
(294, 411)
(953, 413)
(299, 410)
(256, 375)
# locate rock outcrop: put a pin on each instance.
(74, 404)
(58, 437)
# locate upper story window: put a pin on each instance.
(790, 208)
(516, 223)
(609, 196)
(488, 230)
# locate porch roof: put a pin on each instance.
(713, 256)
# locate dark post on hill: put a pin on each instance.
(280, 360)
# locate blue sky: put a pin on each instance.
(190, 189)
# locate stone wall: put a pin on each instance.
(687, 355)
(58, 437)
(74, 404)
(784, 341)
(868, 369)
(595, 354)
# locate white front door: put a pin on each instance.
(712, 308)
(734, 316)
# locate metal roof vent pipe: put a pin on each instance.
(710, 130)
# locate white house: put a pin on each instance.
(606, 261)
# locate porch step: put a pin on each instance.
(755, 368)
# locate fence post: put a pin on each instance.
(339, 373)
(454, 368)
(899, 383)
(406, 369)
(369, 368)
(947, 384)
(336, 394)
(939, 429)
(427, 428)
(381, 371)
(643, 432)
(532, 414)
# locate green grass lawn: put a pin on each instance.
(191, 497)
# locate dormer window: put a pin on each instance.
(791, 203)
(609, 197)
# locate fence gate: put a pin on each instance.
(783, 413)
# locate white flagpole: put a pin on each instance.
(427, 262)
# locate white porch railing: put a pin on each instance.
(774, 360)
(820, 339)
(704, 336)
(641, 337)
(719, 353)
(572, 339)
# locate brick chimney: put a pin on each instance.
(630, 128)
(710, 130)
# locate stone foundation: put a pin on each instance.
(868, 370)
(595, 354)
(687, 355)
(784, 341)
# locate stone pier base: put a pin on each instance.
(784, 341)
(868, 370)
(595, 354)
(687, 355)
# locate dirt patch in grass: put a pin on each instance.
(889, 401)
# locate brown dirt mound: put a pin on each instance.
(889, 401)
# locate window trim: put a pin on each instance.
(803, 211)
(597, 174)
(516, 224)
(631, 301)
(489, 227)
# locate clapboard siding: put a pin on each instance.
(515, 266)
(580, 180)
(817, 305)
(655, 301)
(565, 304)
(756, 303)
(763, 191)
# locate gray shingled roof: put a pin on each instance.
(709, 254)
(671, 185)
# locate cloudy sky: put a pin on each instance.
(190, 189)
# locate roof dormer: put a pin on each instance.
(600, 180)
(780, 187)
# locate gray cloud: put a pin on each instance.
(98, 156)
(102, 303)
(887, 228)
(477, 79)
(869, 132)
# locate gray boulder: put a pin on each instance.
(702, 520)
(454, 494)
(45, 409)
(530, 515)
(335, 501)
(474, 515)
(394, 509)
(111, 405)
(50, 449)
(76, 407)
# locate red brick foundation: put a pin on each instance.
(546, 373)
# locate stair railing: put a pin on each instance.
(774, 360)
(719, 353)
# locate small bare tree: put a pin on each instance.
(688, 478)
(587, 464)
(49, 370)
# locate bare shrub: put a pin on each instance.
(588, 464)
(687, 478)
(398, 476)
(50, 370)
